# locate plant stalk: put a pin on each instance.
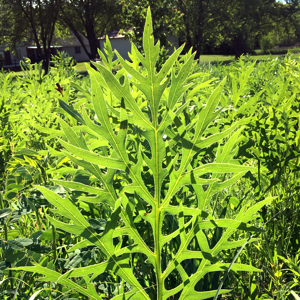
(54, 248)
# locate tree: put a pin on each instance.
(197, 22)
(166, 18)
(91, 18)
(281, 29)
(237, 24)
(243, 22)
(30, 20)
(287, 25)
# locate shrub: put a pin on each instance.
(267, 43)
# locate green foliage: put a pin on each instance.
(30, 21)
(267, 43)
(144, 189)
(89, 20)
(28, 105)
(63, 63)
(166, 18)
(151, 170)
(264, 96)
(162, 58)
(237, 26)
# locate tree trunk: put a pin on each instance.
(46, 54)
(239, 45)
(74, 30)
(93, 42)
(45, 65)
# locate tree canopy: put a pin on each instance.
(237, 25)
(166, 18)
(27, 21)
(206, 25)
(91, 18)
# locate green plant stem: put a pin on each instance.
(159, 280)
(4, 225)
(54, 243)
(231, 264)
(6, 237)
(38, 219)
(158, 213)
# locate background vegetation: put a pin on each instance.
(231, 132)
(233, 27)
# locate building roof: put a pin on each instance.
(71, 41)
(52, 46)
(114, 34)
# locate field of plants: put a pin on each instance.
(150, 179)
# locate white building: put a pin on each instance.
(73, 47)
(70, 45)
(118, 42)
(123, 46)
(7, 59)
